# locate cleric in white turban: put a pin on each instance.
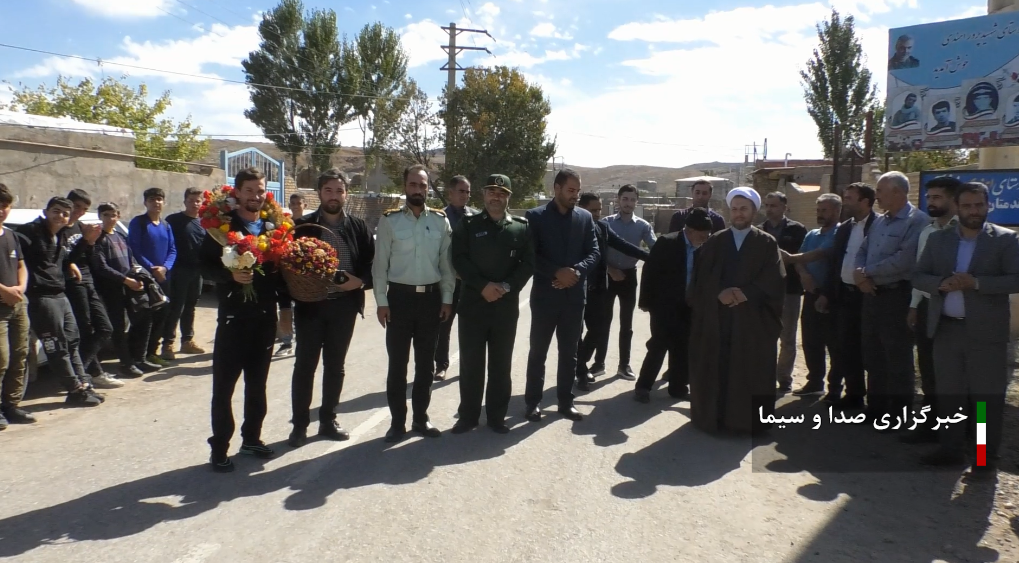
(737, 297)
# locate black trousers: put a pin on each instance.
(847, 354)
(130, 343)
(888, 349)
(242, 346)
(817, 334)
(159, 320)
(925, 354)
(670, 335)
(565, 320)
(445, 327)
(414, 319)
(324, 329)
(185, 290)
(626, 291)
(597, 329)
(53, 322)
(491, 327)
(94, 326)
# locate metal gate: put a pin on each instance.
(233, 162)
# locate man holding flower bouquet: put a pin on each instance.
(325, 328)
(248, 293)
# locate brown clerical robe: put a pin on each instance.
(733, 350)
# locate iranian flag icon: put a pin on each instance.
(981, 434)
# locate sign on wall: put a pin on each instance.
(1002, 184)
(953, 84)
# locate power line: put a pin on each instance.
(189, 75)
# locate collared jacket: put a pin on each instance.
(833, 281)
(562, 240)
(598, 279)
(359, 240)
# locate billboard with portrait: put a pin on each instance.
(953, 84)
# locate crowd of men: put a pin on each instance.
(80, 287)
(724, 303)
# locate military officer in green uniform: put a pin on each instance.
(494, 256)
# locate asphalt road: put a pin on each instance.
(128, 481)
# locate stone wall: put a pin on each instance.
(37, 164)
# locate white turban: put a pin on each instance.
(748, 193)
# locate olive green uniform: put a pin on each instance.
(485, 250)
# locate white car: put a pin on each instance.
(17, 217)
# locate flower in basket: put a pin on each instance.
(311, 257)
(241, 253)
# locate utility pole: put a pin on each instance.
(451, 67)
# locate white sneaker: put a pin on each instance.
(106, 381)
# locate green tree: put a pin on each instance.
(113, 102)
(498, 123)
(837, 85)
(380, 65)
(307, 94)
(415, 136)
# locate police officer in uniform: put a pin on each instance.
(414, 285)
(494, 256)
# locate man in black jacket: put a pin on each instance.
(245, 331)
(597, 285)
(49, 311)
(325, 328)
(186, 276)
(663, 292)
(841, 297)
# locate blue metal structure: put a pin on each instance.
(233, 162)
(1003, 186)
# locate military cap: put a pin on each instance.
(499, 181)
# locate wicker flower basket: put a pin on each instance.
(305, 288)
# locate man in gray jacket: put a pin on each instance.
(969, 273)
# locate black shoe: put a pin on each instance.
(148, 367)
(533, 414)
(333, 431)
(849, 403)
(395, 434)
(81, 398)
(583, 384)
(130, 372)
(784, 389)
(3, 422)
(298, 437)
(221, 463)
(682, 393)
(626, 373)
(15, 415)
(942, 458)
(571, 413)
(597, 369)
(589, 377)
(810, 389)
(92, 391)
(499, 427)
(257, 449)
(920, 436)
(832, 398)
(440, 375)
(642, 396)
(462, 426)
(426, 429)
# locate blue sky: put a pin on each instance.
(635, 82)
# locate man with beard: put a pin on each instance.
(414, 284)
(664, 288)
(884, 267)
(969, 273)
(566, 253)
(458, 193)
(598, 310)
(700, 195)
(789, 235)
(817, 331)
(325, 328)
(246, 328)
(494, 255)
(737, 298)
(941, 207)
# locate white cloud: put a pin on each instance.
(548, 30)
(407, 16)
(123, 9)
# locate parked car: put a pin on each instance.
(17, 217)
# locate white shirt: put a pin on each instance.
(924, 234)
(852, 249)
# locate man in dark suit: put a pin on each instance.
(566, 251)
(842, 298)
(969, 273)
(596, 312)
(663, 292)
